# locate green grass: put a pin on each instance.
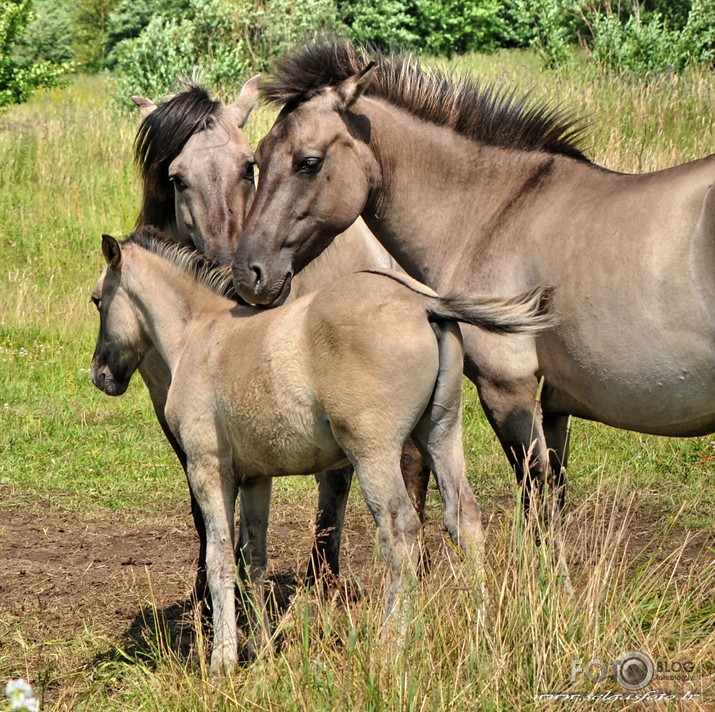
(67, 177)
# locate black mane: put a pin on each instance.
(161, 137)
(487, 114)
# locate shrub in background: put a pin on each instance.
(645, 43)
(49, 36)
(169, 49)
(20, 79)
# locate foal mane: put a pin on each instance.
(488, 114)
(161, 137)
(189, 260)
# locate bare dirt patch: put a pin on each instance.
(76, 590)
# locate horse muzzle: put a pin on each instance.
(256, 284)
(103, 379)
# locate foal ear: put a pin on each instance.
(112, 252)
(352, 88)
(146, 106)
(246, 100)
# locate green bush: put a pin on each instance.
(170, 49)
(269, 28)
(49, 36)
(90, 28)
(458, 26)
(223, 41)
(641, 46)
(20, 79)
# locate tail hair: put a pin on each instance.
(525, 313)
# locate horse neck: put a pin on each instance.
(171, 303)
(441, 193)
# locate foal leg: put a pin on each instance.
(157, 377)
(378, 471)
(333, 491)
(252, 553)
(215, 487)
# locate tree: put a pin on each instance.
(18, 80)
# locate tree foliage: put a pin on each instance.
(20, 78)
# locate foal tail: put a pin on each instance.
(525, 313)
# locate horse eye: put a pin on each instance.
(97, 302)
(248, 175)
(178, 183)
(310, 165)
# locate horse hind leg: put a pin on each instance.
(333, 491)
(438, 434)
(399, 527)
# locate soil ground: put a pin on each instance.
(76, 590)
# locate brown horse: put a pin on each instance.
(344, 374)
(468, 185)
(196, 166)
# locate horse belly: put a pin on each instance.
(272, 443)
(650, 385)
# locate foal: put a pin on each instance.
(344, 374)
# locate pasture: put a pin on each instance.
(96, 542)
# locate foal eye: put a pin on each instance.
(97, 302)
(309, 165)
(178, 183)
(248, 175)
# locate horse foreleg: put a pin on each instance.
(252, 553)
(215, 489)
(522, 430)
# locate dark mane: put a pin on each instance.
(488, 114)
(193, 263)
(160, 139)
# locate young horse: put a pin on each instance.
(465, 185)
(343, 374)
(196, 166)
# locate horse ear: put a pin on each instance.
(112, 252)
(146, 106)
(246, 100)
(352, 88)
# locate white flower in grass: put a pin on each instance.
(20, 695)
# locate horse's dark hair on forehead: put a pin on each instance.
(488, 114)
(160, 139)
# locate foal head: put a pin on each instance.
(197, 168)
(118, 351)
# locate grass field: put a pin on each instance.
(641, 534)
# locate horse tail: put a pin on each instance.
(525, 313)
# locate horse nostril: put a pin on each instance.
(257, 272)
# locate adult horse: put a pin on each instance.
(196, 166)
(468, 185)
